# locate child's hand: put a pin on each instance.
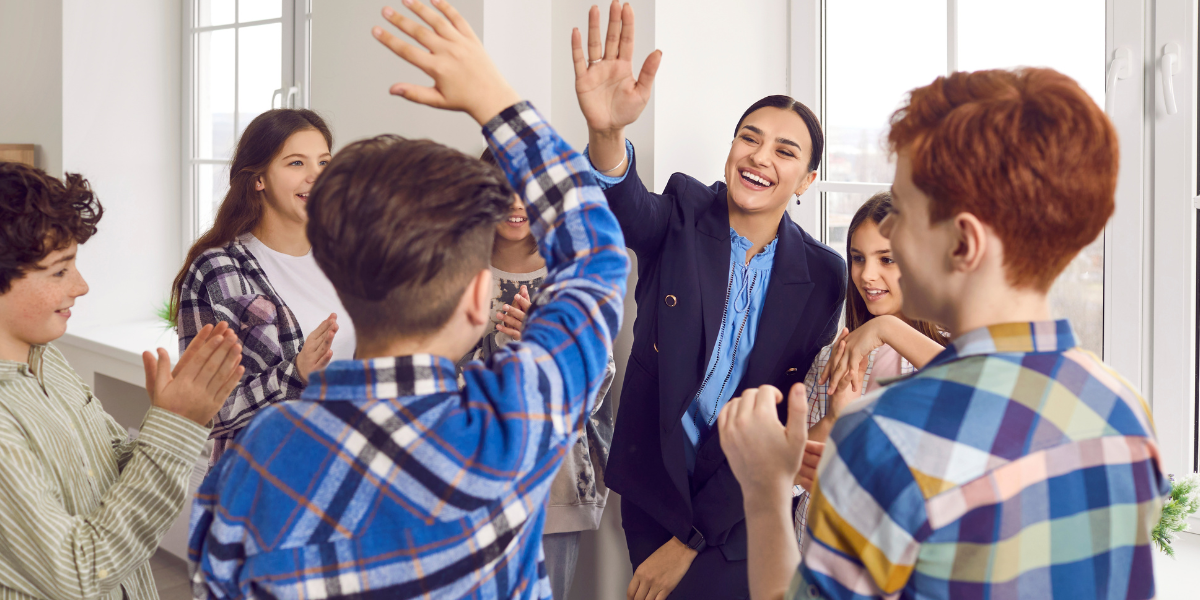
(318, 348)
(808, 468)
(512, 320)
(209, 370)
(764, 454)
(848, 362)
(464, 77)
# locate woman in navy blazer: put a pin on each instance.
(680, 504)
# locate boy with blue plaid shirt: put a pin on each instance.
(386, 480)
(1014, 464)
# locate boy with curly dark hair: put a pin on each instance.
(83, 506)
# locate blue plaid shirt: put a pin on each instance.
(388, 481)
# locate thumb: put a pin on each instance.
(164, 370)
(151, 366)
(797, 423)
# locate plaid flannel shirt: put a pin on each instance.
(227, 284)
(1014, 465)
(818, 404)
(389, 481)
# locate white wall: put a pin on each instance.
(121, 129)
(31, 78)
(352, 71)
(520, 44)
(712, 70)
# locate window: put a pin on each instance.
(863, 87)
(243, 57)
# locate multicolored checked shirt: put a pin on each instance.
(1014, 465)
(386, 480)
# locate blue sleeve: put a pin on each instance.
(605, 181)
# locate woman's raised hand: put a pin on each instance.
(318, 348)
(608, 94)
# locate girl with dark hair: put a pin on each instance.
(731, 295)
(254, 257)
(895, 345)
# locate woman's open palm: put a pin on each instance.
(608, 94)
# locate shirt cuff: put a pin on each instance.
(605, 181)
(172, 433)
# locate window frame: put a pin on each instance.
(296, 36)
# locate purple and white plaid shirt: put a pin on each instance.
(227, 284)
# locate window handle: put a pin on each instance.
(278, 92)
(292, 93)
(1170, 66)
(1121, 67)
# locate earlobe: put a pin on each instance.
(805, 183)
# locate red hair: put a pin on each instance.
(1027, 152)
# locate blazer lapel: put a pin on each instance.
(713, 245)
(787, 294)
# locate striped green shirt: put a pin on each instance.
(83, 506)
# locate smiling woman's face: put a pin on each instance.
(768, 161)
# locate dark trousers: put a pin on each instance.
(710, 576)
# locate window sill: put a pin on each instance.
(115, 349)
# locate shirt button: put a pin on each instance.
(813, 592)
(92, 475)
(670, 300)
(102, 573)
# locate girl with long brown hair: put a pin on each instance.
(878, 341)
(254, 257)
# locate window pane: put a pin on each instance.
(214, 12)
(212, 183)
(839, 209)
(258, 10)
(1078, 295)
(875, 52)
(214, 94)
(1068, 36)
(260, 64)
(1065, 35)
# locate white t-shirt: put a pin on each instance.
(305, 289)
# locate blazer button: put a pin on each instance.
(670, 300)
(792, 370)
(655, 344)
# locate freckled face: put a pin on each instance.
(768, 161)
(873, 270)
(36, 308)
(516, 227)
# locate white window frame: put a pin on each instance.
(296, 18)
(1124, 248)
(1175, 206)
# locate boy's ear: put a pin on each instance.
(478, 297)
(971, 243)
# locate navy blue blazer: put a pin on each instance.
(681, 239)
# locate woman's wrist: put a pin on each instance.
(606, 151)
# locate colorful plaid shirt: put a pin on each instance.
(386, 480)
(1014, 465)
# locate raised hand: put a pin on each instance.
(464, 76)
(318, 348)
(608, 94)
(209, 370)
(512, 319)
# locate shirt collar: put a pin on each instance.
(1035, 336)
(740, 245)
(11, 369)
(391, 377)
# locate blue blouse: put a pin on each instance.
(745, 296)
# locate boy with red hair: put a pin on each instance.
(1015, 464)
